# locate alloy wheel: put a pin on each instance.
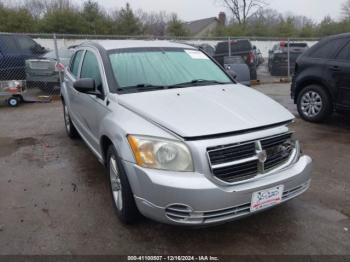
(66, 118)
(115, 183)
(311, 104)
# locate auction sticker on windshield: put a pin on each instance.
(266, 198)
(195, 54)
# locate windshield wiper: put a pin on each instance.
(142, 88)
(150, 87)
(198, 81)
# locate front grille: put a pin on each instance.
(275, 156)
(237, 172)
(238, 162)
(274, 141)
(231, 153)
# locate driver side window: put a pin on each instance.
(90, 69)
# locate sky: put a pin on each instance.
(189, 10)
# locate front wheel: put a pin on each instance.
(70, 128)
(123, 198)
(314, 104)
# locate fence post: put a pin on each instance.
(57, 59)
(288, 59)
(229, 46)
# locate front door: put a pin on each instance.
(92, 108)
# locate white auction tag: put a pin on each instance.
(195, 54)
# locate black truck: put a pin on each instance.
(237, 47)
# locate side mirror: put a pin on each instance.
(86, 86)
(231, 72)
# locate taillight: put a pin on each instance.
(59, 67)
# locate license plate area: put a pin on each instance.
(266, 198)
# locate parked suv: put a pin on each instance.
(181, 141)
(240, 47)
(321, 83)
(278, 57)
(14, 51)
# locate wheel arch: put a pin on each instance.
(105, 143)
(308, 82)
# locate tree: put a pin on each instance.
(63, 17)
(176, 27)
(346, 10)
(326, 27)
(37, 8)
(96, 21)
(242, 10)
(154, 23)
(286, 27)
(16, 20)
(127, 23)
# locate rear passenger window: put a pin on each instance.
(329, 49)
(344, 54)
(74, 66)
(90, 69)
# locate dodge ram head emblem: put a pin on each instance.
(262, 156)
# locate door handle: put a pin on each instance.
(335, 68)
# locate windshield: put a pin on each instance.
(164, 68)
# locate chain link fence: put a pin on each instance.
(32, 65)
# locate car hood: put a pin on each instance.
(207, 110)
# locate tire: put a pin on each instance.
(122, 196)
(314, 104)
(13, 101)
(70, 128)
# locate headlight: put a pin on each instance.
(160, 153)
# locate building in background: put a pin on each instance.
(205, 27)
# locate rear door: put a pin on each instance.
(341, 75)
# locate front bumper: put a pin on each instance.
(193, 199)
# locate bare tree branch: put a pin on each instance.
(242, 10)
(346, 9)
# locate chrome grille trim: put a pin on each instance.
(269, 145)
(242, 161)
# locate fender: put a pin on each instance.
(309, 77)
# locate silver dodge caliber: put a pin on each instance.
(182, 142)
